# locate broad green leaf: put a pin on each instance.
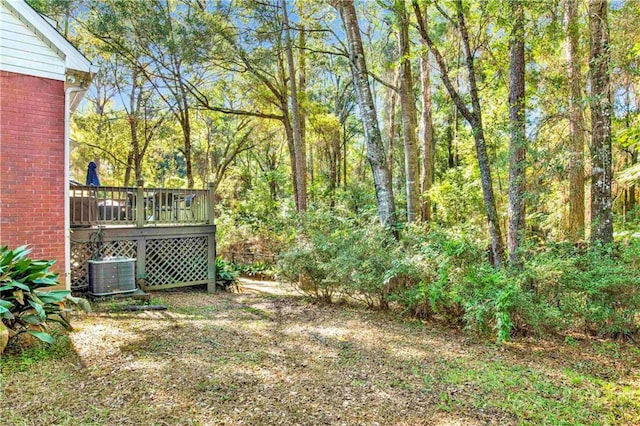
(36, 299)
(45, 282)
(41, 313)
(53, 296)
(31, 319)
(62, 321)
(20, 285)
(7, 315)
(42, 336)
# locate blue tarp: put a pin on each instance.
(92, 175)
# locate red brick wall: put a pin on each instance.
(32, 165)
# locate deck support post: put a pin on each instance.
(211, 243)
(141, 260)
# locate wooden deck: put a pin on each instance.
(170, 233)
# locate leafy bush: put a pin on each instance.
(308, 263)
(226, 275)
(445, 275)
(23, 307)
(596, 290)
(258, 269)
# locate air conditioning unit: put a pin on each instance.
(112, 275)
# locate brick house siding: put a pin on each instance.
(32, 166)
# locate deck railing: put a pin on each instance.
(139, 206)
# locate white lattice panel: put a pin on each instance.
(176, 260)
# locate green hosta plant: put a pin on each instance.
(226, 275)
(23, 307)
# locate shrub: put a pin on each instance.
(23, 307)
(226, 275)
(308, 264)
(256, 270)
(610, 292)
(445, 275)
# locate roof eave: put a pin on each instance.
(74, 60)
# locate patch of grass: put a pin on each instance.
(534, 397)
(609, 349)
(428, 381)
(348, 356)
(258, 312)
(22, 360)
(230, 366)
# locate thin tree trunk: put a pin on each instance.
(449, 136)
(288, 132)
(601, 175)
(127, 172)
(518, 141)
(473, 116)
(576, 124)
(186, 130)
(134, 109)
(426, 131)
(302, 87)
(344, 155)
(391, 122)
(373, 139)
(299, 147)
(408, 109)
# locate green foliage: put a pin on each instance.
(258, 269)
(226, 274)
(596, 291)
(444, 275)
(308, 263)
(23, 307)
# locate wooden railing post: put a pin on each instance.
(140, 213)
(211, 216)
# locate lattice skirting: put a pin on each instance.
(162, 261)
(82, 252)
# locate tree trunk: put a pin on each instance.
(373, 139)
(299, 147)
(600, 100)
(302, 87)
(134, 109)
(473, 116)
(518, 142)
(390, 109)
(576, 124)
(127, 172)
(288, 132)
(408, 109)
(426, 131)
(186, 131)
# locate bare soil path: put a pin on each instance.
(265, 357)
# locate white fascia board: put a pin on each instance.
(74, 60)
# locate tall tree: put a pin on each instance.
(408, 110)
(473, 116)
(143, 121)
(600, 102)
(426, 129)
(518, 142)
(576, 123)
(298, 141)
(373, 138)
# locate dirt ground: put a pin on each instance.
(266, 357)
